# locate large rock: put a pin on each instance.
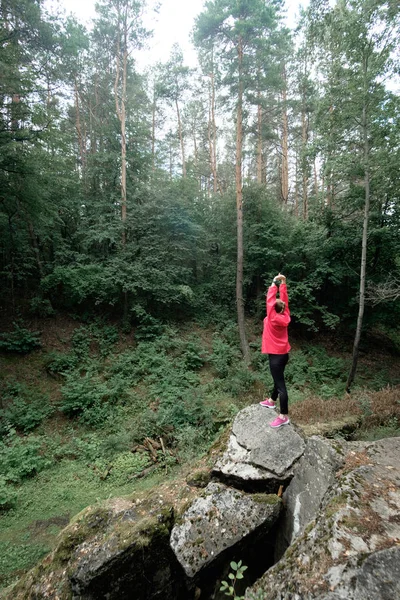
(351, 550)
(315, 473)
(257, 456)
(216, 521)
(118, 550)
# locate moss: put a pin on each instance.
(199, 479)
(271, 499)
(85, 525)
(144, 531)
(335, 504)
(338, 447)
(198, 542)
(308, 528)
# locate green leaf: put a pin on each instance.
(234, 566)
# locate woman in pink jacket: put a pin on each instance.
(275, 343)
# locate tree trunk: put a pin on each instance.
(78, 126)
(315, 181)
(239, 212)
(120, 105)
(123, 142)
(296, 187)
(259, 144)
(213, 132)
(304, 166)
(285, 136)
(153, 132)
(178, 114)
(363, 254)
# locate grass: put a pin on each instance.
(172, 387)
(45, 505)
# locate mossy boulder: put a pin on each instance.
(117, 550)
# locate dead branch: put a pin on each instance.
(388, 291)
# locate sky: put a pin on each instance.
(172, 24)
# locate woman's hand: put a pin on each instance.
(280, 278)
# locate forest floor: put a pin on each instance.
(95, 413)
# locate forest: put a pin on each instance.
(143, 215)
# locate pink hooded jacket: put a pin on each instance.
(275, 333)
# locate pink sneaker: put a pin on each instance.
(268, 403)
(279, 421)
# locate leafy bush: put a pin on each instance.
(7, 494)
(193, 355)
(223, 356)
(127, 464)
(313, 367)
(81, 341)
(20, 340)
(90, 397)
(106, 336)
(192, 441)
(24, 408)
(41, 307)
(21, 457)
(61, 362)
(239, 381)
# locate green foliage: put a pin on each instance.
(61, 362)
(90, 397)
(20, 340)
(313, 367)
(236, 574)
(389, 429)
(21, 457)
(223, 356)
(15, 559)
(7, 494)
(24, 408)
(41, 307)
(127, 464)
(193, 355)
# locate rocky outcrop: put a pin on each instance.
(119, 549)
(336, 531)
(216, 521)
(351, 550)
(258, 457)
(315, 473)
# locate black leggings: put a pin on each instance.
(277, 364)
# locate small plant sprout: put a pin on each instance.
(237, 573)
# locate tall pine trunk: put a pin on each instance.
(180, 133)
(212, 130)
(363, 268)
(259, 143)
(304, 165)
(239, 211)
(120, 105)
(285, 144)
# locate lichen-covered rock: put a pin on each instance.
(351, 551)
(315, 473)
(257, 455)
(218, 520)
(112, 551)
